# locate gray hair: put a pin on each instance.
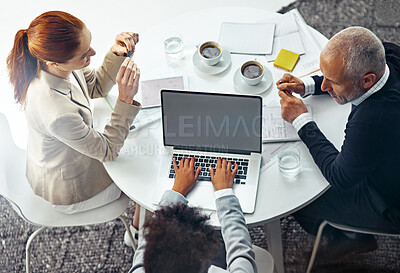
(361, 52)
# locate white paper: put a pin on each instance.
(247, 38)
(275, 128)
(285, 24)
(146, 117)
(269, 152)
(151, 89)
(291, 42)
(287, 35)
(308, 62)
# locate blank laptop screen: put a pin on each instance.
(211, 122)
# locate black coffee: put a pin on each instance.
(252, 71)
(210, 52)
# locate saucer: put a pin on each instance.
(259, 88)
(221, 66)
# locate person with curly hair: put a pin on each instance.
(178, 238)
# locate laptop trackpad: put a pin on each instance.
(202, 195)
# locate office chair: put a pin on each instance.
(264, 261)
(34, 209)
(344, 228)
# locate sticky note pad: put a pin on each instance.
(286, 59)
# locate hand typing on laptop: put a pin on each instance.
(175, 222)
(186, 176)
(215, 125)
(223, 176)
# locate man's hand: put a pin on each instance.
(185, 177)
(291, 84)
(128, 81)
(124, 42)
(291, 106)
(223, 176)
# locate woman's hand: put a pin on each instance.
(185, 175)
(222, 177)
(124, 42)
(128, 81)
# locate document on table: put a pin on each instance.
(269, 152)
(151, 89)
(294, 23)
(275, 128)
(291, 42)
(310, 60)
(145, 116)
(247, 38)
(287, 35)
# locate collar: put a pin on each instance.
(56, 83)
(65, 87)
(375, 88)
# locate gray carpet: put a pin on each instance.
(100, 248)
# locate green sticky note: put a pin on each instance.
(286, 59)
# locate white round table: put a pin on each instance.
(135, 170)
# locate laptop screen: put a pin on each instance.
(211, 122)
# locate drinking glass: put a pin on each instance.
(289, 162)
(173, 45)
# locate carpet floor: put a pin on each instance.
(100, 248)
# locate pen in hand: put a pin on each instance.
(287, 92)
(128, 54)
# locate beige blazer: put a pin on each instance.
(64, 152)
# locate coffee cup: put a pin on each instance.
(210, 52)
(252, 72)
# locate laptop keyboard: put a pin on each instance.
(206, 161)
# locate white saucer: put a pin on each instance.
(221, 66)
(243, 87)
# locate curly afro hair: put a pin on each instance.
(179, 240)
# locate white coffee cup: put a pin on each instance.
(210, 52)
(252, 72)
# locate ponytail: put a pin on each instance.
(22, 66)
(52, 36)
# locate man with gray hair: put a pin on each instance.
(365, 182)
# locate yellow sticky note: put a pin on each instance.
(286, 59)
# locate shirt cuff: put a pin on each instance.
(309, 85)
(178, 193)
(302, 120)
(223, 192)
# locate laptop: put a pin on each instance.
(207, 126)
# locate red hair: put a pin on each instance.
(52, 36)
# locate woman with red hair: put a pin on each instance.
(48, 68)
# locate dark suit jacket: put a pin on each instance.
(370, 153)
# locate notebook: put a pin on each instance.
(206, 126)
(247, 38)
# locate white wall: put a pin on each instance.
(105, 19)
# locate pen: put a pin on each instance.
(287, 92)
(310, 72)
(128, 54)
(280, 82)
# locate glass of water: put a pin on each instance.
(173, 45)
(289, 162)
